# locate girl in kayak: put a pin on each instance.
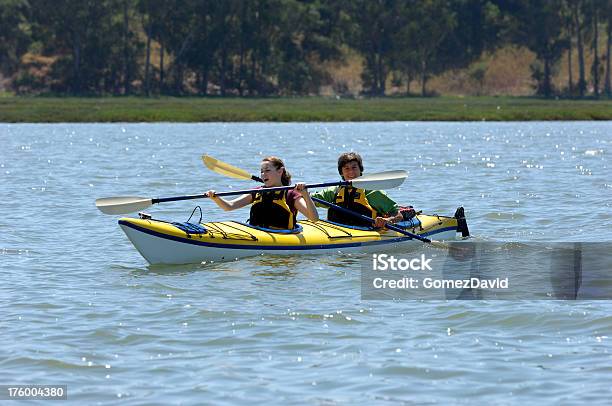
(273, 209)
(371, 203)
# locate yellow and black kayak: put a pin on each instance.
(161, 242)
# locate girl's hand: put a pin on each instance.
(211, 194)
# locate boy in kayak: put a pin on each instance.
(276, 210)
(371, 203)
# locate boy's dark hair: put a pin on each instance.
(349, 157)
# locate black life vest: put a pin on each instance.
(270, 210)
(355, 200)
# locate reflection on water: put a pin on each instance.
(281, 266)
(274, 273)
(178, 270)
(277, 261)
(342, 260)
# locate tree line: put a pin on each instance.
(282, 47)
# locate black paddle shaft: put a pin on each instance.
(248, 191)
(371, 220)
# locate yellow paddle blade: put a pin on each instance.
(225, 169)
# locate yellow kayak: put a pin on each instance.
(161, 242)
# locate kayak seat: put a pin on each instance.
(412, 223)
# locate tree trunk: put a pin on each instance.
(373, 68)
(161, 69)
(570, 80)
(205, 82)
(177, 68)
(114, 84)
(380, 85)
(408, 80)
(253, 41)
(595, 68)
(581, 78)
(547, 87)
(241, 72)
(222, 74)
(252, 86)
(608, 56)
(423, 78)
(381, 76)
(148, 61)
(126, 68)
(371, 62)
(76, 56)
(242, 49)
(178, 78)
(224, 29)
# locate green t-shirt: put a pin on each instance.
(378, 199)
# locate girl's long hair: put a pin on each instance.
(278, 163)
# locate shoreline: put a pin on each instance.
(17, 109)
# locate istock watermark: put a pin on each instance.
(384, 262)
(491, 271)
(397, 274)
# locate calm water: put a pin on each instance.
(80, 307)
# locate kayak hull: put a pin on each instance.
(164, 243)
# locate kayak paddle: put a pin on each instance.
(129, 204)
(375, 181)
(226, 169)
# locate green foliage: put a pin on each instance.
(478, 73)
(544, 37)
(374, 23)
(275, 47)
(15, 34)
(89, 41)
(186, 109)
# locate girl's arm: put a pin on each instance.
(305, 205)
(229, 205)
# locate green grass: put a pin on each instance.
(187, 109)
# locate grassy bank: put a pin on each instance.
(134, 109)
